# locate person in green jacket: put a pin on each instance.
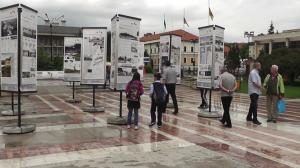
(274, 86)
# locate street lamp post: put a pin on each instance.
(248, 35)
(52, 22)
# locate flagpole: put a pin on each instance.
(208, 12)
(183, 18)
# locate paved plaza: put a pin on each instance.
(67, 137)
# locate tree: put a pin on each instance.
(271, 29)
(44, 62)
(233, 59)
(287, 59)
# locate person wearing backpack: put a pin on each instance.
(158, 93)
(134, 90)
(274, 86)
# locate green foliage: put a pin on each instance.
(149, 69)
(271, 29)
(44, 62)
(290, 91)
(287, 59)
(244, 51)
(233, 59)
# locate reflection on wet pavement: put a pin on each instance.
(68, 137)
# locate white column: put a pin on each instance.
(287, 43)
(270, 47)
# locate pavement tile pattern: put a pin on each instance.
(67, 137)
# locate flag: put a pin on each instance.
(185, 22)
(210, 14)
(165, 25)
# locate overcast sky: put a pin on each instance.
(236, 16)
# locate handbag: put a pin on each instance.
(281, 106)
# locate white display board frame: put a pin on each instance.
(210, 57)
(93, 57)
(126, 56)
(72, 59)
(170, 50)
(9, 48)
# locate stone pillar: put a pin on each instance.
(287, 43)
(270, 47)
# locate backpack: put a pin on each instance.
(134, 91)
(159, 95)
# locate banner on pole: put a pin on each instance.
(93, 60)
(9, 48)
(211, 56)
(72, 59)
(126, 57)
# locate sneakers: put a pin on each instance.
(175, 111)
(128, 126)
(136, 127)
(151, 124)
(159, 125)
(223, 122)
(256, 122)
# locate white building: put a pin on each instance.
(269, 42)
(189, 49)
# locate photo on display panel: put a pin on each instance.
(9, 27)
(6, 64)
(27, 32)
(72, 58)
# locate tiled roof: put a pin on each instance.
(185, 36)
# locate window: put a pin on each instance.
(192, 60)
(184, 60)
(184, 49)
(151, 51)
(192, 49)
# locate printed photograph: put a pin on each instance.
(27, 32)
(72, 58)
(128, 36)
(9, 27)
(6, 65)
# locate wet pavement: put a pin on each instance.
(67, 137)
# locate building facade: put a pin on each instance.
(269, 42)
(189, 49)
(58, 34)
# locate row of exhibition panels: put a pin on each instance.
(85, 57)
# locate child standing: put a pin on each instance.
(134, 90)
(158, 94)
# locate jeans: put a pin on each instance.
(136, 116)
(226, 101)
(171, 91)
(160, 109)
(253, 107)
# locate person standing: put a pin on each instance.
(254, 90)
(158, 94)
(228, 86)
(170, 80)
(134, 90)
(274, 86)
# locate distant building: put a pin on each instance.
(58, 34)
(189, 48)
(269, 42)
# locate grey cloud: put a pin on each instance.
(236, 16)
